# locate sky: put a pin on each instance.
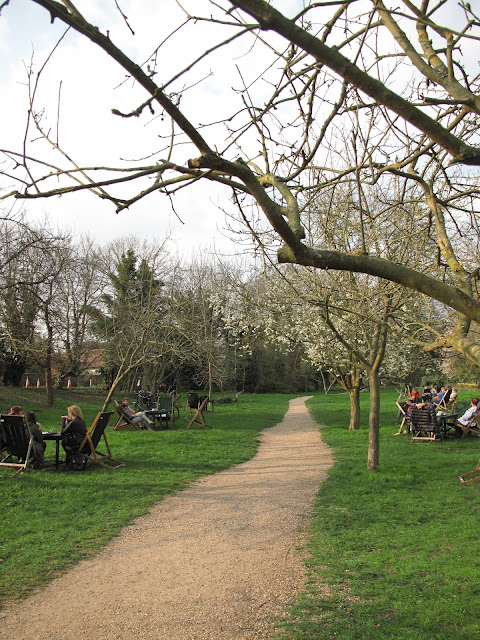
(78, 89)
(89, 86)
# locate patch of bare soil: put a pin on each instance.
(217, 561)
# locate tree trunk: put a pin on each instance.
(374, 421)
(48, 364)
(354, 395)
(210, 380)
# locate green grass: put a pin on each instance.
(393, 554)
(52, 519)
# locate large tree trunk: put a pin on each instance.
(374, 421)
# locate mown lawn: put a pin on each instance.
(393, 554)
(51, 519)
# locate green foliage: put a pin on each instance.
(52, 519)
(392, 553)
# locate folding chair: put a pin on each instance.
(18, 443)
(452, 403)
(444, 402)
(164, 409)
(176, 406)
(124, 421)
(192, 402)
(475, 473)
(198, 417)
(89, 447)
(471, 427)
(404, 414)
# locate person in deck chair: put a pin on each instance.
(74, 431)
(139, 416)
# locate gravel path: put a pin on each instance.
(216, 561)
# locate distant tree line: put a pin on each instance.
(137, 314)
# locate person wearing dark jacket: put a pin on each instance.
(36, 432)
(74, 431)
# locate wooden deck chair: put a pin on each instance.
(192, 402)
(473, 476)
(198, 417)
(404, 415)
(443, 404)
(471, 427)
(89, 447)
(124, 421)
(452, 403)
(17, 442)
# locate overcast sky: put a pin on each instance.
(88, 83)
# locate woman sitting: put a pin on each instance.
(74, 430)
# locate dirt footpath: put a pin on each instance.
(217, 561)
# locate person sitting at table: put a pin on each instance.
(36, 432)
(73, 430)
(135, 418)
(414, 394)
(467, 416)
(427, 393)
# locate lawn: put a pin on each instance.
(51, 519)
(392, 553)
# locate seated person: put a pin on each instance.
(453, 395)
(413, 398)
(74, 430)
(427, 393)
(36, 432)
(16, 410)
(439, 397)
(467, 416)
(135, 418)
(414, 395)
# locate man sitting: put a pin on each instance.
(136, 417)
(467, 416)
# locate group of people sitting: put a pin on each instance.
(435, 403)
(430, 401)
(73, 429)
